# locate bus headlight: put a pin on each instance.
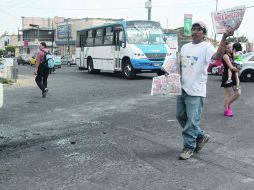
(139, 56)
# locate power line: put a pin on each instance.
(98, 9)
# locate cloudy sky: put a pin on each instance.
(170, 13)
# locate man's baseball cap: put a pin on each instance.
(201, 24)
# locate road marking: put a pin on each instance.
(171, 120)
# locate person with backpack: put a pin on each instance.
(41, 70)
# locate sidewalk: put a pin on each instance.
(25, 81)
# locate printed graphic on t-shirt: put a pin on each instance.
(187, 63)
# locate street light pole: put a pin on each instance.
(214, 30)
(148, 5)
(52, 38)
(150, 10)
(68, 37)
(38, 31)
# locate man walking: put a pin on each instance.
(195, 57)
(41, 70)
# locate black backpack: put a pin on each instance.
(48, 60)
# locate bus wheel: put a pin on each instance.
(90, 66)
(128, 71)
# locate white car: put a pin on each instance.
(68, 60)
(23, 59)
(247, 67)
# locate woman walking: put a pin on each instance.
(231, 93)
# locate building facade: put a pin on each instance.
(66, 32)
(58, 33)
(36, 29)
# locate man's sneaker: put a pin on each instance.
(186, 154)
(201, 142)
(44, 93)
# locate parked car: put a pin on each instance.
(215, 67)
(58, 61)
(247, 67)
(23, 59)
(68, 60)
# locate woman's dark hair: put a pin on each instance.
(237, 46)
(226, 45)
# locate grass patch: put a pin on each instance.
(5, 81)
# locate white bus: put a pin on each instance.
(129, 47)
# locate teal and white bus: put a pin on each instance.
(129, 47)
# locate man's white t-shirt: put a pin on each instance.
(195, 59)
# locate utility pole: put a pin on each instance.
(148, 6)
(214, 31)
(52, 38)
(38, 31)
(68, 37)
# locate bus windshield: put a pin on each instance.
(145, 35)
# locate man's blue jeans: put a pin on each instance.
(188, 114)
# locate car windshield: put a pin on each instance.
(145, 35)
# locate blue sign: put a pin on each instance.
(64, 31)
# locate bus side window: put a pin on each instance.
(82, 39)
(108, 36)
(121, 36)
(98, 37)
(89, 40)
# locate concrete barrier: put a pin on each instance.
(8, 69)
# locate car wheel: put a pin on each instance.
(247, 75)
(127, 70)
(214, 70)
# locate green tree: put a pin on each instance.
(240, 39)
(2, 52)
(10, 48)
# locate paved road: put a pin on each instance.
(104, 132)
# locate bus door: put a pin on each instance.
(82, 57)
(119, 36)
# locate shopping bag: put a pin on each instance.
(166, 85)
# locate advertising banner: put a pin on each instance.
(187, 24)
(64, 31)
(227, 19)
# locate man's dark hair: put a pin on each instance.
(237, 46)
(43, 44)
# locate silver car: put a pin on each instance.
(247, 67)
